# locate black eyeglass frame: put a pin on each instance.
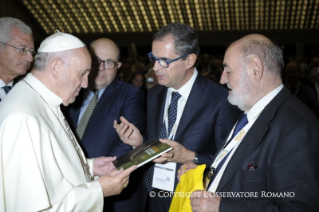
(103, 61)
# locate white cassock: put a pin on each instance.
(40, 168)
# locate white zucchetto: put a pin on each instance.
(60, 42)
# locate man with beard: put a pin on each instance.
(16, 52)
(94, 128)
(270, 160)
(185, 107)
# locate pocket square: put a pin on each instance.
(251, 167)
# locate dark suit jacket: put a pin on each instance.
(101, 139)
(284, 143)
(206, 120)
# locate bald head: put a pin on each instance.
(260, 46)
(104, 43)
(105, 62)
(252, 69)
(256, 37)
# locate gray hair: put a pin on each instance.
(43, 59)
(6, 24)
(185, 38)
(270, 54)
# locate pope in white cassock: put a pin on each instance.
(42, 166)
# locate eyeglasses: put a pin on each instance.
(22, 51)
(162, 62)
(108, 64)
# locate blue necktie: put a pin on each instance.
(172, 111)
(6, 89)
(240, 125)
(172, 114)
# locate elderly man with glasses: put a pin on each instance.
(16, 52)
(185, 107)
(92, 115)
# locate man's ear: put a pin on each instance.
(119, 65)
(257, 68)
(191, 60)
(55, 68)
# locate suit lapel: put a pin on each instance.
(253, 138)
(102, 105)
(161, 99)
(194, 102)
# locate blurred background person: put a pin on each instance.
(138, 79)
(151, 79)
(299, 89)
(314, 81)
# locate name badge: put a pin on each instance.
(164, 176)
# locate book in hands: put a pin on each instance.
(142, 154)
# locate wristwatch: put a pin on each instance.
(195, 160)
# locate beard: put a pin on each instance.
(241, 95)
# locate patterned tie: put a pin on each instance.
(172, 111)
(240, 125)
(86, 115)
(172, 114)
(6, 89)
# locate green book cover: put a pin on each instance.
(142, 154)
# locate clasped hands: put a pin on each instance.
(130, 135)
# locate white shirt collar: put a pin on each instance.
(185, 89)
(262, 103)
(89, 93)
(51, 98)
(4, 84)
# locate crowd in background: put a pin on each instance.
(301, 74)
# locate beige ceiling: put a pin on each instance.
(139, 16)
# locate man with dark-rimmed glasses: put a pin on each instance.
(92, 114)
(185, 107)
(16, 52)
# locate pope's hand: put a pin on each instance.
(128, 133)
(114, 182)
(103, 165)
